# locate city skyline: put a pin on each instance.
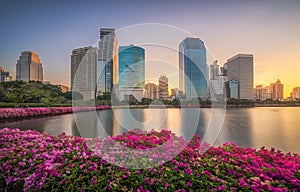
(266, 30)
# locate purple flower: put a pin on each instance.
(188, 184)
(166, 185)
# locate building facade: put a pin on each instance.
(84, 71)
(296, 93)
(234, 89)
(262, 93)
(4, 75)
(131, 67)
(277, 90)
(174, 94)
(163, 87)
(193, 69)
(217, 88)
(131, 73)
(29, 67)
(107, 67)
(240, 68)
(151, 91)
(213, 70)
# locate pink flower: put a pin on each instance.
(188, 184)
(166, 185)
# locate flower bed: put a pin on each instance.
(40, 162)
(9, 113)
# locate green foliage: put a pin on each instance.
(32, 92)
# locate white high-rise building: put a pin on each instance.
(163, 88)
(151, 91)
(84, 71)
(240, 69)
(213, 70)
(29, 67)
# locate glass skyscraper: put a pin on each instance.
(234, 89)
(107, 60)
(131, 67)
(193, 69)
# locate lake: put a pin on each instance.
(277, 127)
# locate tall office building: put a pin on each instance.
(131, 67)
(213, 70)
(192, 69)
(240, 68)
(107, 60)
(29, 67)
(277, 90)
(163, 88)
(151, 91)
(4, 75)
(84, 71)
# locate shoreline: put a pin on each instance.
(139, 107)
(12, 119)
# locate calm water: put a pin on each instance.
(249, 127)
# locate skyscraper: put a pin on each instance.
(213, 70)
(29, 67)
(277, 90)
(151, 91)
(296, 93)
(163, 87)
(193, 69)
(240, 68)
(131, 67)
(107, 60)
(262, 93)
(84, 71)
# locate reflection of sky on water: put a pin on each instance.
(247, 127)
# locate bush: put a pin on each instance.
(40, 162)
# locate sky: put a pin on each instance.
(53, 28)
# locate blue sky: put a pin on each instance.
(53, 28)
